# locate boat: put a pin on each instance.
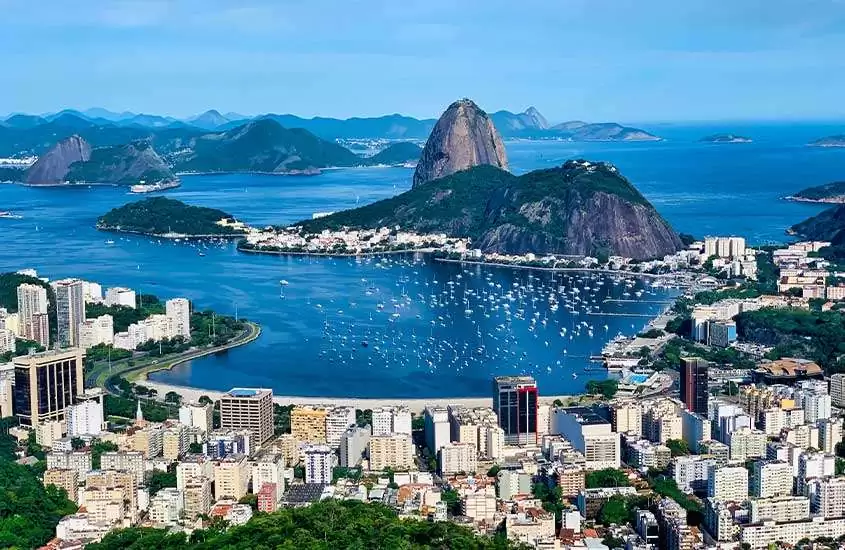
(109, 242)
(9, 215)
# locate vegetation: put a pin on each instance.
(124, 164)
(673, 350)
(678, 447)
(160, 215)
(97, 449)
(161, 479)
(827, 191)
(398, 153)
(552, 498)
(666, 486)
(281, 418)
(126, 407)
(609, 477)
(614, 511)
(325, 524)
(605, 388)
(29, 511)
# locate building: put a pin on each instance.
(691, 472)
(394, 451)
(338, 419)
(787, 508)
(353, 444)
(837, 389)
(761, 535)
(511, 483)
(178, 312)
(308, 424)
(231, 477)
(721, 333)
(830, 434)
(94, 332)
(437, 428)
(64, 479)
(220, 444)
(817, 407)
(494, 442)
(571, 479)
(248, 409)
(33, 323)
(827, 496)
(198, 497)
(695, 429)
(174, 442)
(746, 443)
(455, 458)
(727, 483)
(196, 415)
(515, 402)
(111, 480)
(813, 465)
(85, 418)
(7, 341)
(148, 440)
(391, 420)
(70, 311)
(771, 478)
(775, 419)
(128, 461)
(320, 461)
(119, 296)
(647, 528)
(46, 384)
(694, 390)
(479, 504)
(627, 418)
(268, 498)
(662, 421)
(166, 507)
(78, 461)
(269, 470)
(590, 434)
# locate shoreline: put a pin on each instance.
(333, 254)
(170, 235)
(793, 198)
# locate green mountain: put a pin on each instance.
(160, 215)
(829, 225)
(264, 146)
(397, 153)
(830, 192)
(830, 141)
(128, 164)
(578, 208)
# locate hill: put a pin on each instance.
(160, 216)
(53, 167)
(579, 208)
(264, 146)
(833, 193)
(128, 164)
(726, 138)
(829, 225)
(386, 127)
(830, 141)
(397, 153)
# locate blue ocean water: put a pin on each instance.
(313, 338)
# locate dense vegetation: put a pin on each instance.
(125, 164)
(324, 525)
(828, 225)
(605, 388)
(160, 215)
(29, 511)
(609, 477)
(12, 174)
(831, 190)
(398, 153)
(123, 316)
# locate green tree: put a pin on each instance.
(195, 448)
(251, 499)
(161, 479)
(494, 470)
(614, 511)
(608, 477)
(452, 500)
(678, 447)
(99, 447)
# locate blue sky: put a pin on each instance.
(623, 60)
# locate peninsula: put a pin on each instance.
(831, 193)
(169, 218)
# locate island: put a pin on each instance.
(726, 138)
(169, 218)
(830, 141)
(830, 193)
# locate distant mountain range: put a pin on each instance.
(529, 124)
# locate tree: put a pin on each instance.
(205, 400)
(195, 448)
(557, 403)
(614, 511)
(161, 479)
(97, 449)
(608, 477)
(251, 499)
(678, 447)
(494, 470)
(172, 397)
(364, 418)
(452, 500)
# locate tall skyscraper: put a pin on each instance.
(70, 311)
(515, 401)
(694, 384)
(46, 384)
(178, 312)
(32, 313)
(248, 409)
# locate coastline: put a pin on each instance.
(833, 200)
(334, 254)
(171, 235)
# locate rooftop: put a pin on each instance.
(586, 416)
(247, 392)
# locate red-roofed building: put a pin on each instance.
(267, 501)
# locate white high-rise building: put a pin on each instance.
(338, 419)
(118, 296)
(773, 420)
(494, 442)
(457, 458)
(197, 416)
(33, 321)
(7, 340)
(96, 331)
(830, 433)
(771, 479)
(837, 389)
(727, 483)
(390, 420)
(391, 451)
(813, 465)
(320, 460)
(92, 292)
(353, 443)
(85, 418)
(590, 434)
(178, 311)
(156, 327)
(691, 472)
(827, 496)
(70, 311)
(437, 428)
(817, 407)
(746, 443)
(269, 469)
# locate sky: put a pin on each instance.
(596, 60)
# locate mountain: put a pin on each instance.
(578, 208)
(529, 122)
(397, 153)
(208, 120)
(151, 121)
(829, 225)
(725, 138)
(105, 114)
(127, 164)
(463, 137)
(833, 193)
(23, 121)
(385, 127)
(609, 131)
(264, 146)
(53, 167)
(830, 141)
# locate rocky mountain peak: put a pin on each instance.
(53, 166)
(463, 137)
(538, 120)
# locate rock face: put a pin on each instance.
(463, 137)
(52, 167)
(128, 164)
(580, 208)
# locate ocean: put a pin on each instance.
(405, 326)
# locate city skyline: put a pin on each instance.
(577, 59)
